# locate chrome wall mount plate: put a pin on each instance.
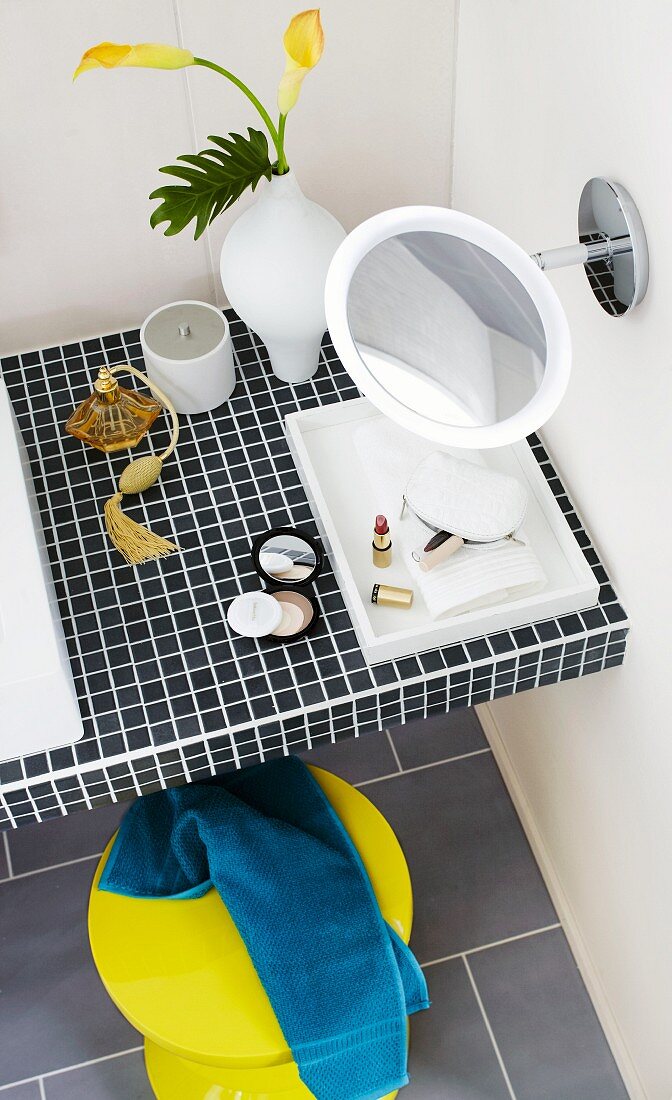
(612, 247)
(607, 213)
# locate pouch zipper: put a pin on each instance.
(511, 537)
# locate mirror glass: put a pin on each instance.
(446, 329)
(284, 557)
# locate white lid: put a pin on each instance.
(254, 614)
(184, 330)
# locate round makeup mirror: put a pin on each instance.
(448, 327)
(287, 557)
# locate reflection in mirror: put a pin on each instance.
(446, 329)
(287, 558)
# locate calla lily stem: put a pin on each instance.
(282, 160)
(277, 135)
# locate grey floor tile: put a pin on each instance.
(114, 1079)
(474, 878)
(438, 737)
(451, 1055)
(55, 1012)
(30, 1091)
(356, 758)
(60, 839)
(548, 1034)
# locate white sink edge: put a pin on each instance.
(35, 674)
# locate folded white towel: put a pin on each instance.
(475, 576)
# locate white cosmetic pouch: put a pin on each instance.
(478, 504)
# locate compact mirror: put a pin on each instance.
(284, 557)
(448, 327)
(288, 560)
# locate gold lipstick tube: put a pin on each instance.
(381, 550)
(389, 596)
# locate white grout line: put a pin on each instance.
(495, 943)
(370, 695)
(52, 867)
(8, 855)
(489, 1028)
(68, 1069)
(365, 783)
(453, 103)
(394, 750)
(422, 767)
(191, 110)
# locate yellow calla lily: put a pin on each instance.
(304, 43)
(146, 55)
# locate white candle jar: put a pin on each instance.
(188, 354)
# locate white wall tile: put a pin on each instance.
(372, 127)
(77, 255)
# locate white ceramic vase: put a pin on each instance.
(274, 265)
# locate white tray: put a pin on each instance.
(343, 505)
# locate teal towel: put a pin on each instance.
(340, 980)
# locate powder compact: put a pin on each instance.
(288, 561)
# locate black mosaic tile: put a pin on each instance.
(548, 630)
(502, 642)
(524, 637)
(154, 663)
(615, 613)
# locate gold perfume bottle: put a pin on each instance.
(112, 418)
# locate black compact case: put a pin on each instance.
(307, 560)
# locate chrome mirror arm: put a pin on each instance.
(612, 247)
(604, 249)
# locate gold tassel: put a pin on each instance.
(134, 542)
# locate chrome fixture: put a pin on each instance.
(453, 331)
(612, 247)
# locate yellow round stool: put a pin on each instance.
(180, 973)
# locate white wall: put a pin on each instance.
(549, 94)
(77, 256)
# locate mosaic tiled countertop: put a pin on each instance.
(167, 693)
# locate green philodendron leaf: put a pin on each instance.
(214, 180)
